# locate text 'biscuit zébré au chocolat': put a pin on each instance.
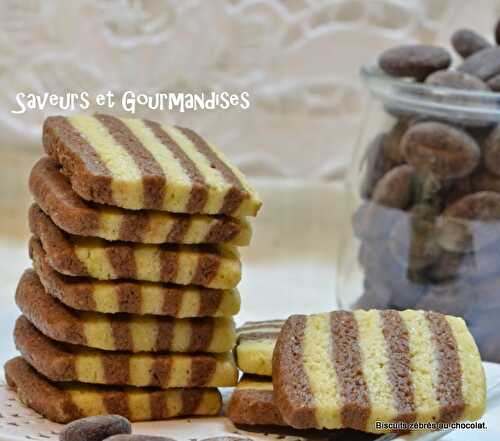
(120, 332)
(64, 362)
(53, 193)
(352, 369)
(141, 164)
(212, 266)
(65, 402)
(133, 297)
(255, 345)
(252, 402)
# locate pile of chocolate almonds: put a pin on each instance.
(429, 222)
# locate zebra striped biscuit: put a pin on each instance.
(141, 164)
(212, 266)
(54, 195)
(255, 346)
(351, 369)
(131, 296)
(120, 332)
(65, 402)
(252, 403)
(64, 362)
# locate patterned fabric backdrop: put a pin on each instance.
(298, 59)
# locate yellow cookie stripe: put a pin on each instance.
(176, 194)
(95, 258)
(423, 366)
(139, 403)
(126, 174)
(256, 356)
(473, 378)
(322, 378)
(89, 401)
(375, 364)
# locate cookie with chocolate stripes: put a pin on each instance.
(351, 369)
(120, 332)
(53, 193)
(133, 297)
(252, 403)
(65, 362)
(255, 346)
(142, 164)
(212, 266)
(65, 402)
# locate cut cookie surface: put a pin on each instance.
(65, 402)
(120, 332)
(53, 193)
(212, 266)
(255, 346)
(133, 297)
(141, 164)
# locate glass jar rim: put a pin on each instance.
(406, 96)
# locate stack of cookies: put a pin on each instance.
(128, 308)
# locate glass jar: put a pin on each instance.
(424, 186)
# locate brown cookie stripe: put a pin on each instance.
(140, 164)
(449, 375)
(255, 345)
(398, 351)
(133, 333)
(351, 369)
(64, 362)
(53, 194)
(132, 297)
(252, 402)
(210, 266)
(62, 403)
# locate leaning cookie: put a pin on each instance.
(120, 332)
(53, 194)
(354, 369)
(252, 403)
(132, 297)
(64, 403)
(69, 363)
(211, 266)
(141, 164)
(255, 345)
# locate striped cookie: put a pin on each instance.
(131, 296)
(141, 164)
(54, 195)
(65, 402)
(351, 369)
(63, 362)
(212, 266)
(252, 403)
(255, 346)
(120, 332)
